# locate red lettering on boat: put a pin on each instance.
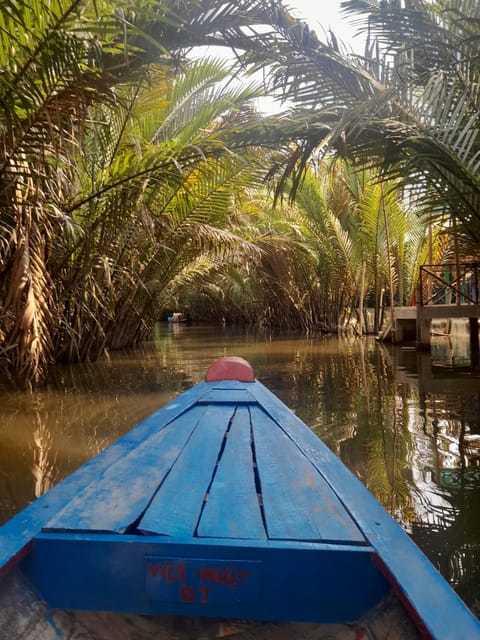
(168, 571)
(187, 594)
(230, 577)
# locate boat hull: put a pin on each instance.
(145, 575)
(224, 504)
(24, 616)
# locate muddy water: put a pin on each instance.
(407, 424)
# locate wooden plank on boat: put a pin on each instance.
(232, 509)
(124, 490)
(302, 506)
(17, 534)
(176, 509)
(228, 392)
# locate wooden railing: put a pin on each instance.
(450, 283)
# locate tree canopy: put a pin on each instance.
(130, 173)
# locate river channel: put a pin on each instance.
(406, 423)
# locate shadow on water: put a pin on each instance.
(409, 429)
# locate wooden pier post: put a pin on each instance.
(423, 324)
(474, 342)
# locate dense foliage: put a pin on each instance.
(134, 180)
(114, 171)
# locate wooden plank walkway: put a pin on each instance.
(413, 323)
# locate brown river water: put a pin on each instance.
(406, 423)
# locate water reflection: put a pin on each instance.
(48, 434)
(445, 471)
(409, 429)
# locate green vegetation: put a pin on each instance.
(134, 180)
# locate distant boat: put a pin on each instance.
(177, 317)
(221, 505)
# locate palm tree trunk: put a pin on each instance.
(361, 299)
(389, 260)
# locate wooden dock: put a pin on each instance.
(438, 299)
(414, 324)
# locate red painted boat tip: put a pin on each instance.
(230, 368)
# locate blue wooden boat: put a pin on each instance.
(224, 504)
